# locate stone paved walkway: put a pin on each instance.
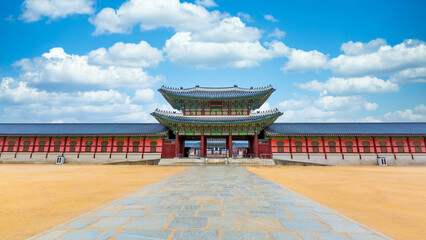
(217, 202)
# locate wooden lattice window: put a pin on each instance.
(349, 147)
(10, 144)
(417, 145)
(72, 147)
(280, 143)
(26, 146)
(104, 145)
(280, 149)
(366, 145)
(315, 143)
(41, 146)
(57, 145)
(120, 146)
(88, 146)
(153, 143)
(136, 146)
(400, 145)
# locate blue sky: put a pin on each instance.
(102, 61)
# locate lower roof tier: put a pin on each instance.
(163, 116)
(275, 129)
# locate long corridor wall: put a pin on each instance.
(79, 149)
(349, 150)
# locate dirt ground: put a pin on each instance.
(35, 197)
(391, 200)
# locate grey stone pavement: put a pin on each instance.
(212, 202)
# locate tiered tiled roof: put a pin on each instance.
(227, 119)
(173, 95)
(403, 129)
(222, 93)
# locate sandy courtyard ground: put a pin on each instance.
(35, 197)
(391, 200)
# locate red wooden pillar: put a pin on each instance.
(291, 150)
(357, 147)
(19, 145)
(128, 145)
(96, 148)
(341, 148)
(143, 146)
(409, 148)
(48, 147)
(79, 147)
(112, 147)
(393, 151)
(34, 146)
(65, 147)
(307, 147)
(323, 147)
(177, 145)
(230, 145)
(256, 146)
(375, 147)
(203, 145)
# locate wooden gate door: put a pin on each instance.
(168, 149)
(265, 150)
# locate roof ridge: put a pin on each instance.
(197, 87)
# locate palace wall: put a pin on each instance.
(313, 150)
(348, 150)
(91, 150)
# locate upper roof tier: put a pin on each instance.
(181, 98)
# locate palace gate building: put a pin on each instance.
(216, 119)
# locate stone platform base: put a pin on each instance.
(215, 161)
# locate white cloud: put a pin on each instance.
(411, 75)
(183, 50)
(302, 61)
(206, 3)
(57, 66)
(292, 104)
(416, 114)
(127, 55)
(324, 109)
(34, 10)
(385, 61)
(358, 48)
(151, 14)
(144, 95)
(277, 33)
(229, 30)
(270, 18)
(350, 85)
(87, 106)
(345, 103)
